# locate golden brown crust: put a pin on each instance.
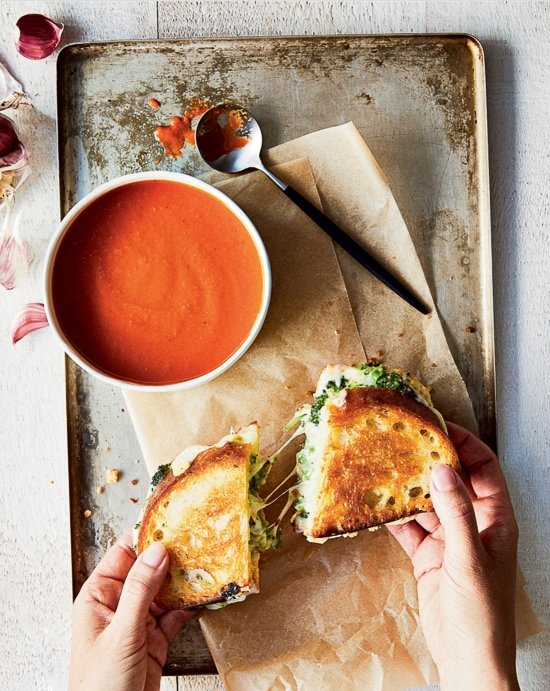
(377, 462)
(201, 516)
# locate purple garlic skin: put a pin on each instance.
(37, 36)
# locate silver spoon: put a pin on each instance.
(229, 139)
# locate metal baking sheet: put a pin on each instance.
(419, 102)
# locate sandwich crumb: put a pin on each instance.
(336, 332)
(100, 489)
(470, 329)
(134, 500)
(87, 513)
(134, 481)
(112, 476)
(434, 364)
(107, 449)
(400, 334)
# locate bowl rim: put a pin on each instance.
(120, 181)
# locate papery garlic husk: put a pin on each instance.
(14, 257)
(37, 36)
(11, 91)
(31, 318)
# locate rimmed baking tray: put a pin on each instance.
(419, 102)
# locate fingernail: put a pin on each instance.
(444, 478)
(154, 555)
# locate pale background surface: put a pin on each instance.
(35, 582)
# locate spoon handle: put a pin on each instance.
(353, 248)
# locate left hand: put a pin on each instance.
(120, 637)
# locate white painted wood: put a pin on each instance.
(287, 17)
(34, 530)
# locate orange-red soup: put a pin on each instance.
(156, 282)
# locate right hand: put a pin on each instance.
(465, 558)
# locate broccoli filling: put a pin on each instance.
(262, 535)
(364, 375)
(162, 472)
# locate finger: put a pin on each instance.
(118, 560)
(141, 586)
(409, 535)
(486, 474)
(171, 622)
(428, 521)
(456, 513)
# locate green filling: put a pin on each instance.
(160, 474)
(371, 375)
(262, 535)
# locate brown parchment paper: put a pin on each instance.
(341, 615)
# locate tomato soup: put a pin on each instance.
(156, 282)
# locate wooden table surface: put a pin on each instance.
(35, 580)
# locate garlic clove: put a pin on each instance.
(37, 36)
(14, 257)
(13, 154)
(13, 261)
(11, 91)
(31, 318)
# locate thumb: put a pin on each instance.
(141, 586)
(456, 514)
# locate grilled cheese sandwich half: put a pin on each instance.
(205, 508)
(372, 437)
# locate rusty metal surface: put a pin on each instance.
(419, 102)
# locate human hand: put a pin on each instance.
(120, 637)
(464, 557)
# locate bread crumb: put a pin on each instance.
(112, 476)
(52, 482)
(134, 481)
(400, 334)
(107, 449)
(87, 513)
(133, 500)
(136, 461)
(100, 489)
(434, 364)
(336, 332)
(470, 329)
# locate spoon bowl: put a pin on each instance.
(229, 139)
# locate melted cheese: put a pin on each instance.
(182, 462)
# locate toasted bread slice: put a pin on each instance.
(367, 459)
(199, 509)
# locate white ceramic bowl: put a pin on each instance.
(125, 180)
